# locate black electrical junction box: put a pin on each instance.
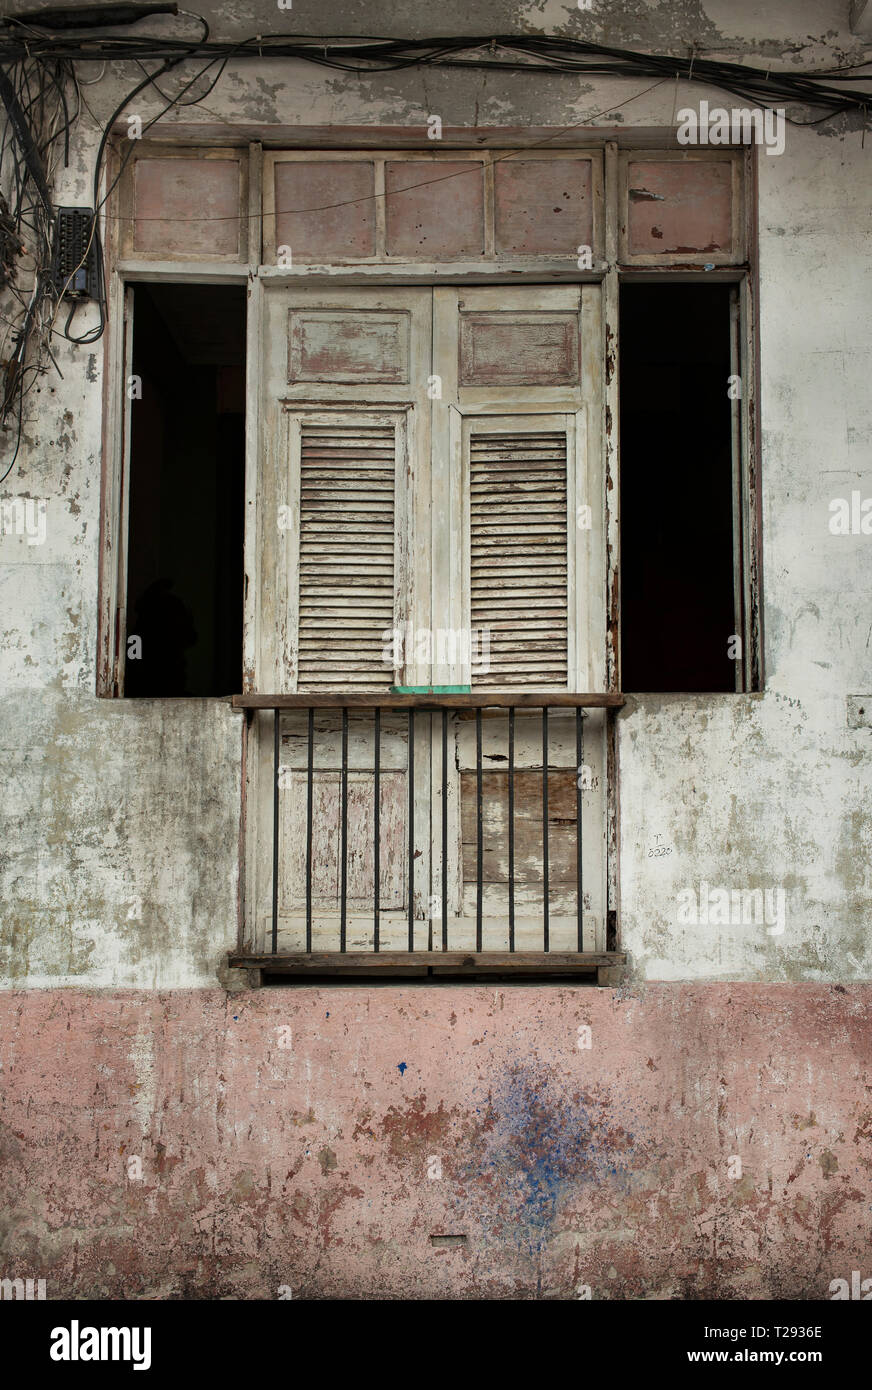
(74, 266)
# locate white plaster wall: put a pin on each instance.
(775, 790)
(119, 844)
(120, 819)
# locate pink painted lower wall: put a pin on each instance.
(710, 1141)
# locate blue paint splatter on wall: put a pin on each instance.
(401, 1068)
(537, 1144)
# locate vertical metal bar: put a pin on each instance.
(545, 903)
(343, 830)
(479, 831)
(411, 763)
(275, 861)
(512, 828)
(579, 763)
(376, 846)
(445, 829)
(310, 766)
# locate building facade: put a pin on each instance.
(428, 400)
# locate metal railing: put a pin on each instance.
(439, 707)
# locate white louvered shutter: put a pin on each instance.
(347, 558)
(517, 482)
(518, 571)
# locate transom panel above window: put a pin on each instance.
(440, 205)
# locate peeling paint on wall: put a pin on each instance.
(313, 1167)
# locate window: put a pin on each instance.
(186, 426)
(455, 363)
(681, 607)
(430, 518)
(432, 466)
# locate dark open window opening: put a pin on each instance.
(187, 491)
(678, 605)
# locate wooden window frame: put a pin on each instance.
(122, 271)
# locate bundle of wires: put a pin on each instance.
(43, 99)
(506, 52)
(35, 137)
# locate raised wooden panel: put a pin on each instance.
(564, 758)
(325, 210)
(185, 208)
(434, 210)
(562, 866)
(679, 207)
(518, 349)
(348, 346)
(326, 841)
(542, 206)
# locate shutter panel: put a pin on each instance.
(518, 556)
(347, 560)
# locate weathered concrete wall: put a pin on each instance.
(121, 855)
(775, 790)
(285, 1139)
(119, 863)
(120, 819)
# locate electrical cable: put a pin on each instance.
(94, 334)
(531, 53)
(33, 91)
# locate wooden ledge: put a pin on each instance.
(521, 699)
(607, 965)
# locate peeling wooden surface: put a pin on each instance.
(203, 198)
(338, 207)
(526, 699)
(526, 349)
(434, 209)
(342, 220)
(347, 561)
(543, 206)
(681, 207)
(319, 962)
(518, 555)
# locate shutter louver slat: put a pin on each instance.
(347, 559)
(518, 557)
